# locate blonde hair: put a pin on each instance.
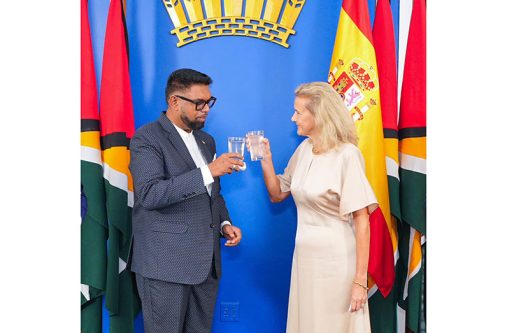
(332, 119)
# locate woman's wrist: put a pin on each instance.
(266, 160)
(360, 284)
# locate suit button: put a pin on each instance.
(212, 225)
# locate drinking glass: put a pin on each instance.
(255, 140)
(236, 145)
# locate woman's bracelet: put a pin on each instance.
(361, 285)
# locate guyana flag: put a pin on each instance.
(353, 73)
(412, 149)
(94, 221)
(385, 51)
(117, 127)
(385, 317)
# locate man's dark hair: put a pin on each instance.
(183, 79)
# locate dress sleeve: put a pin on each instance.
(286, 177)
(356, 192)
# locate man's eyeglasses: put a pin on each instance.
(199, 103)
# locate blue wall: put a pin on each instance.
(254, 82)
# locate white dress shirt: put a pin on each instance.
(199, 160)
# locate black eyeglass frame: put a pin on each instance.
(199, 104)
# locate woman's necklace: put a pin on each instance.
(315, 149)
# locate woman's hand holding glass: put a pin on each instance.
(266, 153)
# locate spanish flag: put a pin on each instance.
(117, 128)
(353, 73)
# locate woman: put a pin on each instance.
(325, 175)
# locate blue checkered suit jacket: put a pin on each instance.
(175, 223)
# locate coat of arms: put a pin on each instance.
(356, 84)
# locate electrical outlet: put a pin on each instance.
(229, 311)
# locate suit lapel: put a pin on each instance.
(207, 152)
(203, 146)
(176, 140)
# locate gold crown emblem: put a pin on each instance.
(361, 76)
(251, 18)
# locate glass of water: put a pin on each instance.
(236, 145)
(255, 140)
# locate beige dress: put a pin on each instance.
(326, 188)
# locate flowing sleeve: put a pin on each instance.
(356, 192)
(286, 177)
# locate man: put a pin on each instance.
(179, 213)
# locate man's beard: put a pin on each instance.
(193, 125)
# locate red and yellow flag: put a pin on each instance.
(353, 73)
